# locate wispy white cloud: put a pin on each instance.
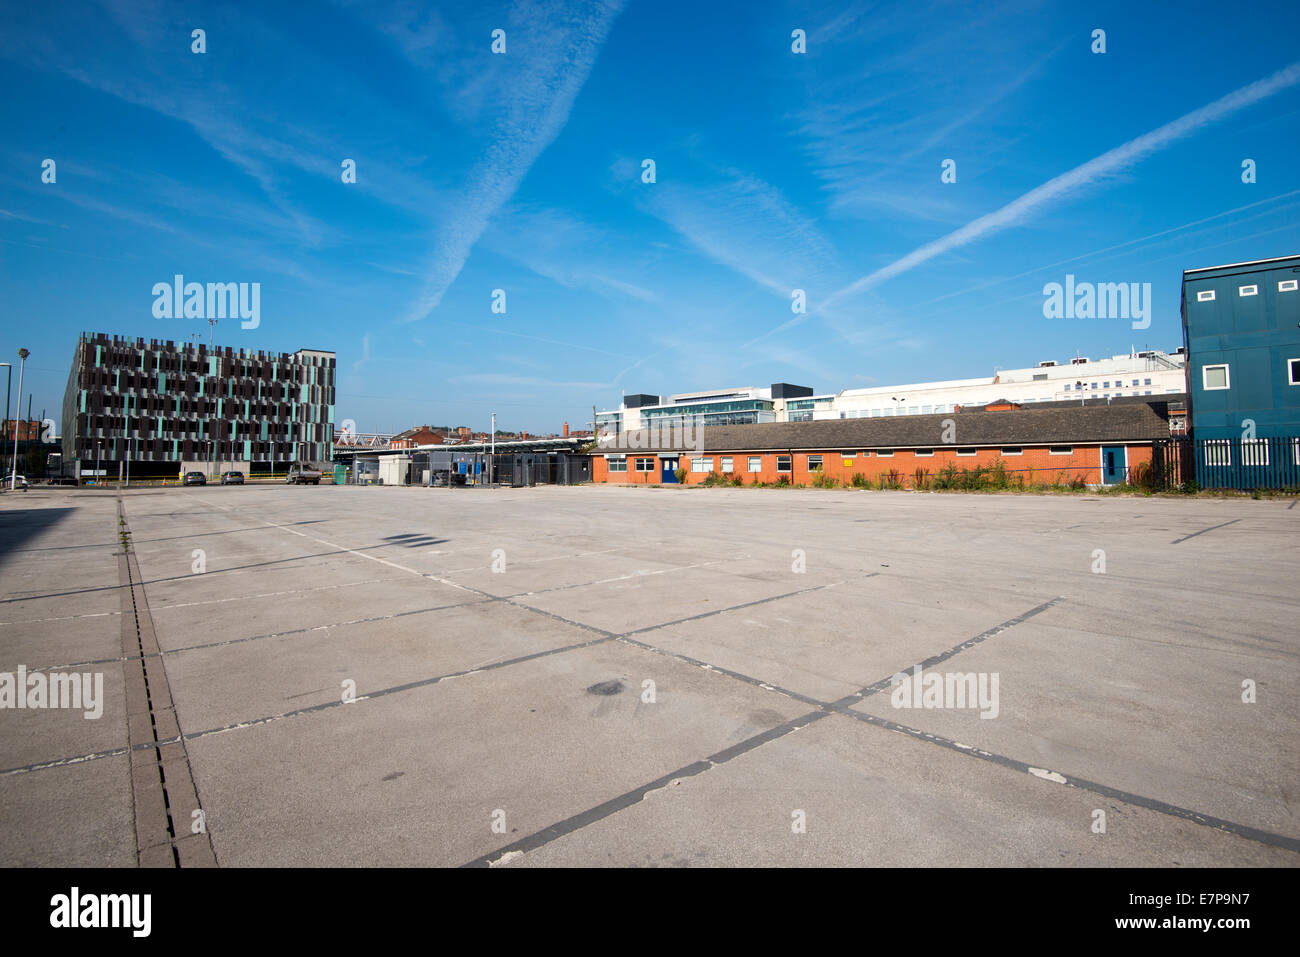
(494, 378)
(1062, 187)
(877, 101)
(550, 52)
(365, 355)
(569, 251)
(1138, 243)
(748, 226)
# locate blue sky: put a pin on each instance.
(522, 171)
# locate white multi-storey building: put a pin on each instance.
(1141, 373)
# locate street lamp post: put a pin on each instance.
(492, 458)
(212, 324)
(127, 436)
(22, 367)
(9, 374)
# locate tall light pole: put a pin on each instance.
(898, 409)
(9, 374)
(22, 366)
(492, 458)
(126, 399)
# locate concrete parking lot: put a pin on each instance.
(649, 677)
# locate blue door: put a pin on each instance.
(669, 470)
(1113, 464)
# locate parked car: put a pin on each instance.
(302, 476)
(19, 482)
(232, 478)
(195, 478)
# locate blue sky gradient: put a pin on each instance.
(522, 172)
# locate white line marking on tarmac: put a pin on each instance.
(41, 621)
(1048, 775)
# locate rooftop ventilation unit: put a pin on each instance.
(1078, 361)
(1047, 364)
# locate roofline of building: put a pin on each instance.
(575, 441)
(743, 450)
(1253, 262)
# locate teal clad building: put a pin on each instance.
(1241, 329)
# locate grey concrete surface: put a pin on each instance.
(472, 622)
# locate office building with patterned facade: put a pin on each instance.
(167, 408)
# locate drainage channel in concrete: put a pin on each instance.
(170, 825)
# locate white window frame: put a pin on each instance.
(808, 462)
(755, 463)
(789, 468)
(1057, 450)
(702, 464)
(966, 452)
(727, 463)
(1287, 285)
(1291, 372)
(923, 453)
(1013, 450)
(885, 453)
(1251, 290)
(640, 459)
(1205, 295)
(1227, 377)
(616, 463)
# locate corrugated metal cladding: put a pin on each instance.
(1241, 324)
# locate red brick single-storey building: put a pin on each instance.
(1100, 444)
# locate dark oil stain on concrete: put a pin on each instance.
(394, 775)
(606, 687)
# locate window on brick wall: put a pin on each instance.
(703, 464)
(783, 463)
(645, 465)
(756, 463)
(726, 463)
(814, 462)
(616, 463)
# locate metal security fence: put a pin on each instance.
(1244, 464)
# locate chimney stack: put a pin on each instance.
(566, 430)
